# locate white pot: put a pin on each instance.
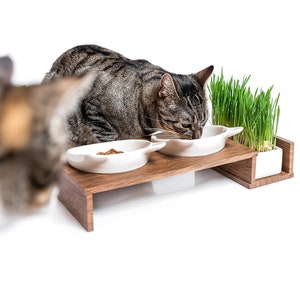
(268, 163)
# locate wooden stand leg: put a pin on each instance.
(242, 172)
(288, 154)
(77, 201)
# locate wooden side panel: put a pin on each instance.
(77, 201)
(288, 154)
(243, 172)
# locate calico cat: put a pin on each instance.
(129, 96)
(32, 140)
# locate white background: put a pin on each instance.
(213, 240)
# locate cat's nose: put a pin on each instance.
(197, 134)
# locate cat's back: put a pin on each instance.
(80, 59)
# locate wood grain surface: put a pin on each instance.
(235, 161)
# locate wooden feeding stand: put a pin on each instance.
(235, 161)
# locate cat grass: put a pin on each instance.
(234, 104)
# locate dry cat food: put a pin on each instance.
(110, 151)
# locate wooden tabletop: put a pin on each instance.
(159, 166)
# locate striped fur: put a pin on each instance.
(129, 96)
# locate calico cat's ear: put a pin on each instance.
(203, 75)
(29, 108)
(6, 69)
(167, 87)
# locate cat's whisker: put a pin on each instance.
(161, 133)
(152, 119)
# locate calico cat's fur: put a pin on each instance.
(32, 140)
(129, 96)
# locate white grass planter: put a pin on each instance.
(268, 163)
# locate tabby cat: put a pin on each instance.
(129, 96)
(32, 143)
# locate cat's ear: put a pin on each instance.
(203, 75)
(6, 69)
(167, 87)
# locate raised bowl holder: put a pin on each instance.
(235, 161)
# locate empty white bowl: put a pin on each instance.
(135, 155)
(213, 139)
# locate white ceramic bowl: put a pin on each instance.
(135, 154)
(213, 139)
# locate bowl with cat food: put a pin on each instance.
(112, 157)
(213, 140)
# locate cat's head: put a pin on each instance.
(32, 139)
(182, 104)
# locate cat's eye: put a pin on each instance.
(182, 127)
(173, 108)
